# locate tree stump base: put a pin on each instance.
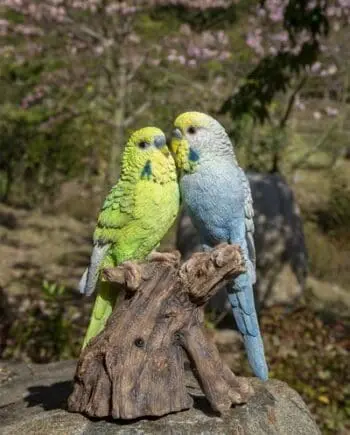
(135, 366)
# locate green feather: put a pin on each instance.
(135, 215)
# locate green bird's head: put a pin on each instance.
(147, 153)
(197, 137)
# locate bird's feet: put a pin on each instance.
(167, 257)
(241, 391)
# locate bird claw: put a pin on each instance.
(241, 392)
(167, 257)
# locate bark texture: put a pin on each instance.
(134, 367)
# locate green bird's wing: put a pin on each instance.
(116, 213)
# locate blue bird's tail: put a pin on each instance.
(241, 297)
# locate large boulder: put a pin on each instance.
(279, 240)
(33, 398)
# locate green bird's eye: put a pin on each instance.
(143, 145)
(191, 130)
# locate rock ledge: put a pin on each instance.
(33, 397)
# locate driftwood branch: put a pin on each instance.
(134, 367)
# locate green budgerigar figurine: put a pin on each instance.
(135, 216)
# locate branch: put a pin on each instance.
(128, 121)
(110, 77)
(134, 367)
(291, 102)
(69, 20)
(130, 275)
(312, 150)
(183, 78)
(203, 275)
(133, 72)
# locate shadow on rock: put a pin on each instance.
(49, 397)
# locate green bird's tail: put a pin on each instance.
(103, 307)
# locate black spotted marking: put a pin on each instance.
(147, 170)
(193, 155)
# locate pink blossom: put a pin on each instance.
(331, 111)
(315, 67)
(299, 104)
(4, 27)
(332, 69)
(254, 41)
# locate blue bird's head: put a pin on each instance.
(196, 138)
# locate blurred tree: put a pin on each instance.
(287, 38)
(92, 61)
(89, 70)
(94, 54)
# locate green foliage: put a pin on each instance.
(33, 162)
(301, 16)
(327, 229)
(274, 73)
(338, 208)
(312, 357)
(52, 290)
(47, 329)
(35, 156)
(258, 144)
(211, 17)
(308, 354)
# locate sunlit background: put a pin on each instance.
(78, 76)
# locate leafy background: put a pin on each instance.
(78, 76)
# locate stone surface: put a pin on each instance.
(279, 240)
(32, 401)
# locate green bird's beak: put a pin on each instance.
(176, 141)
(160, 143)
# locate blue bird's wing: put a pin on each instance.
(249, 223)
(240, 292)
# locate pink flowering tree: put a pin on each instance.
(100, 67)
(95, 67)
(293, 42)
(98, 56)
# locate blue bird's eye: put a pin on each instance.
(191, 130)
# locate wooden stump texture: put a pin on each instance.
(134, 367)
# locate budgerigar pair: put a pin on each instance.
(143, 205)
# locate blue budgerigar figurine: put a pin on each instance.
(217, 195)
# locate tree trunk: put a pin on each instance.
(118, 120)
(134, 367)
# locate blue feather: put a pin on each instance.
(241, 298)
(147, 170)
(215, 198)
(193, 155)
